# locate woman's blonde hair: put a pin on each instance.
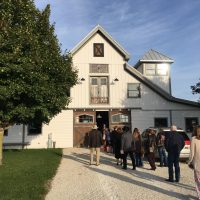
(198, 132)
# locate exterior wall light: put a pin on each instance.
(99, 116)
(116, 79)
(82, 79)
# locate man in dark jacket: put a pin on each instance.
(95, 142)
(174, 143)
(126, 147)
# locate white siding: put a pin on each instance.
(61, 128)
(144, 119)
(14, 134)
(141, 68)
(150, 100)
(85, 54)
(178, 117)
(117, 90)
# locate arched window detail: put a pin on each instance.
(120, 118)
(85, 119)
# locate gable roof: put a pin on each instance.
(99, 29)
(156, 88)
(155, 56)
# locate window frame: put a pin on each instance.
(186, 118)
(37, 128)
(77, 120)
(94, 49)
(139, 90)
(156, 69)
(156, 118)
(119, 114)
(98, 86)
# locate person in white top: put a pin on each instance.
(194, 159)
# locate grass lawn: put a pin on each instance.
(25, 174)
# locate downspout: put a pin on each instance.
(23, 136)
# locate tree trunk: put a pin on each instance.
(1, 145)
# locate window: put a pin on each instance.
(161, 69)
(160, 122)
(150, 69)
(85, 119)
(99, 90)
(156, 69)
(34, 128)
(190, 123)
(6, 132)
(120, 118)
(98, 68)
(98, 49)
(133, 90)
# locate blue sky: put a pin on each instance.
(171, 27)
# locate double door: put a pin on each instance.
(99, 90)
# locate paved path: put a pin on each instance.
(76, 180)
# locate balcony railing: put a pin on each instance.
(99, 100)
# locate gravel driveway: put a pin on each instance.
(76, 180)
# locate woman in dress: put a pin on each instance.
(194, 160)
(137, 141)
(150, 148)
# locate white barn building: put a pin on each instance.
(111, 92)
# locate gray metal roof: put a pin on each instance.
(155, 56)
(98, 28)
(156, 88)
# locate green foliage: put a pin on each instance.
(26, 174)
(196, 88)
(35, 78)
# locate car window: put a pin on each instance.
(184, 135)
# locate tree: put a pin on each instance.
(35, 77)
(196, 88)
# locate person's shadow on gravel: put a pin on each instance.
(109, 160)
(142, 184)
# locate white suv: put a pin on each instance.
(185, 152)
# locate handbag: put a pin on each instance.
(191, 166)
(151, 149)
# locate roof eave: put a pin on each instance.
(94, 31)
(157, 89)
(159, 61)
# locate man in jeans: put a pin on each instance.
(126, 147)
(95, 142)
(174, 143)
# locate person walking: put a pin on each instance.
(174, 143)
(160, 139)
(150, 148)
(137, 147)
(126, 147)
(108, 141)
(95, 142)
(113, 138)
(194, 159)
